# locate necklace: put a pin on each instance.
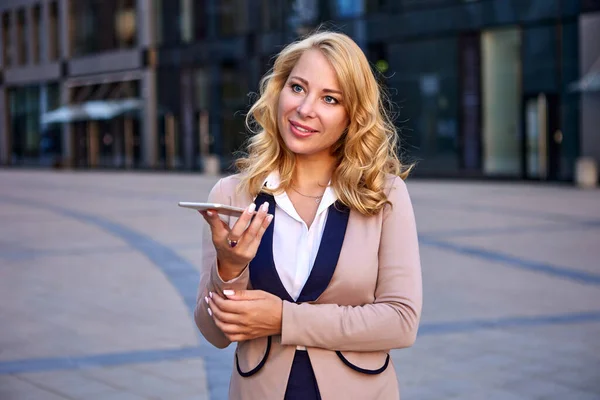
(316, 198)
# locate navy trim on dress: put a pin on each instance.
(260, 364)
(362, 370)
(264, 276)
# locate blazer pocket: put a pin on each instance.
(251, 355)
(370, 363)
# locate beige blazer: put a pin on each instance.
(371, 305)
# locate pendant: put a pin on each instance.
(317, 201)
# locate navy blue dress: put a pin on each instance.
(302, 384)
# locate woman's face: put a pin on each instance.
(311, 116)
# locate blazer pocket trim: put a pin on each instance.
(363, 370)
(260, 364)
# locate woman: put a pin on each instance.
(320, 277)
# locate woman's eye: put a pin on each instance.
(296, 88)
(330, 100)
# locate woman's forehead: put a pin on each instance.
(314, 68)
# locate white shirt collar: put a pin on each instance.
(274, 179)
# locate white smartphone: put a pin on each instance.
(219, 208)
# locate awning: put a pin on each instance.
(91, 110)
(590, 81)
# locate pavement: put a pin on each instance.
(99, 270)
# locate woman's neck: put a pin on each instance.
(313, 174)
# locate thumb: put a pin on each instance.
(243, 294)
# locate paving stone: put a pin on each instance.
(71, 384)
(85, 274)
(14, 388)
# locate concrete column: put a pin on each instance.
(215, 108)
(1, 43)
(67, 131)
(145, 20)
(5, 142)
(64, 27)
(45, 33)
(14, 49)
(149, 136)
(188, 122)
(30, 38)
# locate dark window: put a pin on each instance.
(53, 36)
(232, 17)
(116, 20)
(7, 43)
(21, 38)
(37, 20)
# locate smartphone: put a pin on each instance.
(219, 208)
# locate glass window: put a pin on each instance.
(187, 20)
(272, 15)
(501, 94)
(234, 87)
(349, 8)
(51, 137)
(37, 20)
(202, 89)
(53, 36)
(21, 38)
(423, 80)
(126, 23)
(7, 43)
(232, 17)
(24, 103)
(116, 19)
(540, 64)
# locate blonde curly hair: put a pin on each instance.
(366, 153)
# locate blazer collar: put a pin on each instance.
(263, 274)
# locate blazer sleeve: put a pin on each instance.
(210, 281)
(392, 320)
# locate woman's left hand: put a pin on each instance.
(246, 314)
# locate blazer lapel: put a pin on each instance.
(263, 274)
(328, 254)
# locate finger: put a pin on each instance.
(242, 223)
(244, 294)
(263, 227)
(221, 312)
(228, 329)
(238, 338)
(217, 226)
(257, 222)
(225, 317)
(227, 306)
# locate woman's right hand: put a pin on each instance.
(237, 246)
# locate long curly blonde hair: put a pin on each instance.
(365, 153)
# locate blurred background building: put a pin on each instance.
(490, 88)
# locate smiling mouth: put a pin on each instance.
(302, 128)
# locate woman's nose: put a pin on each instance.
(306, 108)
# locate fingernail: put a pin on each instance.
(209, 213)
(228, 292)
(209, 312)
(265, 206)
(206, 299)
(269, 218)
(210, 294)
(251, 208)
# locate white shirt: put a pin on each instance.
(295, 246)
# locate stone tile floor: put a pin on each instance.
(98, 275)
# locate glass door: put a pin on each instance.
(542, 137)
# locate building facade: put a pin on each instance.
(484, 88)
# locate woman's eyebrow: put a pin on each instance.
(324, 90)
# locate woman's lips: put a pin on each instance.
(301, 130)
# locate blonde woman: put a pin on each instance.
(320, 277)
